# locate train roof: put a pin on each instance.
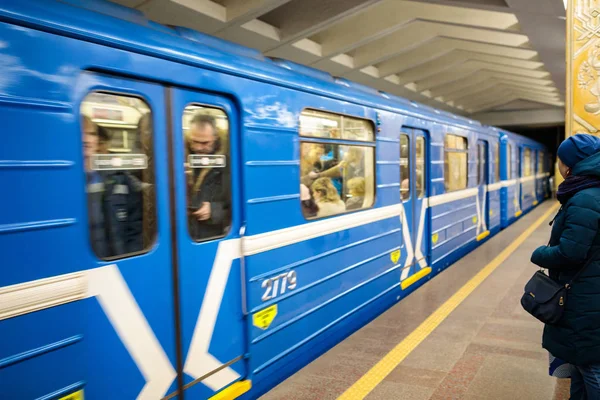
(118, 26)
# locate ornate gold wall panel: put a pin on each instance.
(583, 67)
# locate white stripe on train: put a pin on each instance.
(109, 287)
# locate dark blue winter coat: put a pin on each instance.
(115, 214)
(574, 239)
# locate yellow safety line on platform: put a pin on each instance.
(387, 364)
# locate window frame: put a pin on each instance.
(228, 164)
(154, 242)
(459, 151)
(497, 163)
(409, 193)
(424, 169)
(527, 152)
(509, 161)
(372, 144)
(371, 123)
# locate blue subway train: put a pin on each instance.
(183, 217)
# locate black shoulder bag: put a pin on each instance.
(545, 299)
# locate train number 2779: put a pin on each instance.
(277, 285)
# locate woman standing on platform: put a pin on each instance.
(574, 241)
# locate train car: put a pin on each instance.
(187, 218)
(525, 175)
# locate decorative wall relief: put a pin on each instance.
(583, 58)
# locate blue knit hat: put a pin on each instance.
(577, 148)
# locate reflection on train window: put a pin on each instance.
(509, 162)
(404, 167)
(118, 155)
(527, 163)
(420, 170)
(497, 163)
(335, 177)
(207, 172)
(325, 125)
(455, 163)
(541, 164)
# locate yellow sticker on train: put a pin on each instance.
(73, 396)
(395, 256)
(435, 237)
(264, 318)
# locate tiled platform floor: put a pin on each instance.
(488, 348)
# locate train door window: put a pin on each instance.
(335, 176)
(480, 163)
(527, 162)
(497, 163)
(404, 167)
(541, 165)
(509, 162)
(118, 157)
(420, 170)
(207, 174)
(519, 164)
(455, 163)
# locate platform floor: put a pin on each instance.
(487, 347)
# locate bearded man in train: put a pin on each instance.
(209, 210)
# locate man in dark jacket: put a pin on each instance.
(209, 187)
(575, 240)
(114, 200)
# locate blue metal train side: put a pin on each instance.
(122, 312)
(521, 193)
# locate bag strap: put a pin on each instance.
(587, 263)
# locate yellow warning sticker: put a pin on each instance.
(395, 256)
(263, 318)
(491, 213)
(435, 237)
(474, 220)
(73, 396)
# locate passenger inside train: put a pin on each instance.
(329, 165)
(114, 198)
(208, 197)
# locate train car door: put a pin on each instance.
(413, 191)
(130, 329)
(207, 211)
(482, 196)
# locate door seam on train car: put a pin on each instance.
(174, 251)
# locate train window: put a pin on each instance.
(118, 156)
(509, 162)
(541, 165)
(455, 163)
(207, 174)
(481, 165)
(334, 126)
(404, 167)
(335, 177)
(497, 162)
(420, 170)
(527, 160)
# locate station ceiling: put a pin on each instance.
(498, 61)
